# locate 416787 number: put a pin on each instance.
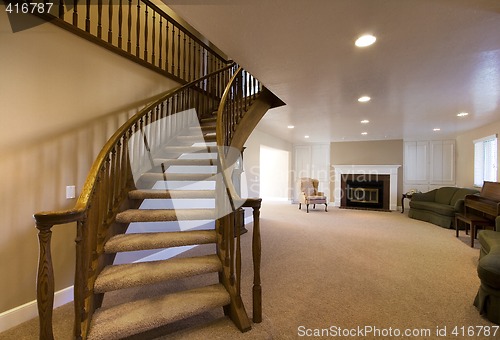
(25, 8)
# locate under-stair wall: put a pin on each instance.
(59, 94)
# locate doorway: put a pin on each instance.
(274, 174)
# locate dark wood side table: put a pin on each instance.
(409, 196)
(473, 221)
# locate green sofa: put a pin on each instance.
(487, 299)
(439, 206)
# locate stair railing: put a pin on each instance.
(242, 90)
(104, 194)
(140, 31)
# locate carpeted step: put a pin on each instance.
(208, 121)
(153, 177)
(139, 316)
(129, 275)
(148, 241)
(190, 149)
(197, 139)
(169, 194)
(184, 162)
(209, 128)
(164, 215)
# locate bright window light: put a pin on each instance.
(485, 160)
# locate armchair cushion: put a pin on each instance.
(309, 193)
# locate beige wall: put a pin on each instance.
(368, 153)
(465, 153)
(62, 97)
(252, 159)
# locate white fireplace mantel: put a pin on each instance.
(391, 170)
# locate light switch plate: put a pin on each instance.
(70, 191)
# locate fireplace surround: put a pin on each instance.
(366, 186)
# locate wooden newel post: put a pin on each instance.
(256, 252)
(45, 282)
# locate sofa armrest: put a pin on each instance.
(424, 196)
(460, 205)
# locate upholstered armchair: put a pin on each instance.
(309, 194)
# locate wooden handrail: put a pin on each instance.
(105, 193)
(238, 96)
(141, 31)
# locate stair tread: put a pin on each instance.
(205, 127)
(129, 275)
(166, 194)
(208, 120)
(156, 176)
(164, 215)
(139, 316)
(191, 149)
(184, 161)
(147, 241)
(196, 138)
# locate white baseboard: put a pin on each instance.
(28, 311)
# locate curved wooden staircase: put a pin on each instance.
(147, 176)
(170, 164)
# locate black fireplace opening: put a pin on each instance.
(364, 194)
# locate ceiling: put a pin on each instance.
(432, 60)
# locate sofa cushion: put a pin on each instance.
(442, 209)
(444, 194)
(488, 239)
(461, 193)
(488, 268)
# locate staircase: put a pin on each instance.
(161, 168)
(158, 170)
(191, 161)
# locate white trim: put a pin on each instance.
(391, 170)
(484, 139)
(28, 311)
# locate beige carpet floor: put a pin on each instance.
(341, 270)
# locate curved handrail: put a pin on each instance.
(72, 215)
(226, 124)
(104, 192)
(221, 144)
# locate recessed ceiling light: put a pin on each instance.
(364, 99)
(462, 114)
(436, 129)
(291, 126)
(365, 121)
(364, 133)
(306, 136)
(365, 40)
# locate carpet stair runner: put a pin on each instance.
(139, 316)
